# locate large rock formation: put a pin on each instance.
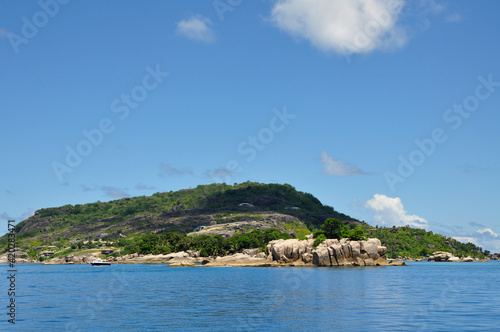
(443, 256)
(18, 255)
(288, 251)
(73, 259)
(176, 257)
(440, 256)
(331, 252)
(252, 257)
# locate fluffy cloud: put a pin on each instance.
(196, 28)
(342, 26)
(169, 170)
(338, 167)
(488, 233)
(389, 211)
(486, 238)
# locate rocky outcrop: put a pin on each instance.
(182, 263)
(4, 258)
(291, 250)
(73, 259)
(443, 256)
(266, 221)
(440, 256)
(242, 259)
(331, 252)
(397, 263)
(177, 257)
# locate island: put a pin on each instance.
(246, 224)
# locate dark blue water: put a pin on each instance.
(420, 297)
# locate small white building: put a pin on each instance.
(246, 205)
(199, 228)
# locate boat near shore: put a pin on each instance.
(99, 262)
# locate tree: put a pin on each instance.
(335, 229)
(318, 240)
(357, 234)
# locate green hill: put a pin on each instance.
(69, 227)
(179, 211)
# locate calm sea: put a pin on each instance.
(420, 297)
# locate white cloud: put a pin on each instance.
(390, 211)
(465, 239)
(485, 238)
(196, 28)
(488, 233)
(169, 170)
(342, 26)
(338, 167)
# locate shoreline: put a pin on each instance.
(279, 253)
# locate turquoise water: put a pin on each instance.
(420, 297)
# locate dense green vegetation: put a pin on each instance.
(158, 223)
(140, 213)
(334, 228)
(414, 242)
(208, 245)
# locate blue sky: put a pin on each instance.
(386, 110)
